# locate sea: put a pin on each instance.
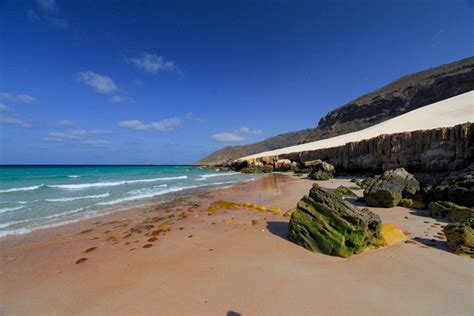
(36, 197)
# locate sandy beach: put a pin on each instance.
(200, 263)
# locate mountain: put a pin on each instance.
(400, 96)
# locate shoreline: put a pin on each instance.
(221, 263)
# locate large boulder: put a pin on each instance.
(460, 237)
(450, 211)
(388, 189)
(322, 171)
(325, 223)
(459, 190)
(283, 165)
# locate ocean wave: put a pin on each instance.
(10, 209)
(143, 194)
(73, 176)
(205, 176)
(30, 188)
(18, 231)
(111, 183)
(79, 198)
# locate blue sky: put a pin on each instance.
(111, 82)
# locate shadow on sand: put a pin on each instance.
(279, 229)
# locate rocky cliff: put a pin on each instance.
(435, 150)
(401, 96)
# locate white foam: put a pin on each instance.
(73, 176)
(30, 188)
(98, 196)
(111, 183)
(205, 176)
(10, 209)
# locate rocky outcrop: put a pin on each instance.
(401, 96)
(388, 189)
(321, 170)
(460, 237)
(459, 190)
(325, 223)
(435, 150)
(283, 165)
(451, 211)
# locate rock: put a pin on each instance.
(412, 203)
(289, 212)
(325, 223)
(459, 190)
(310, 163)
(391, 234)
(460, 238)
(257, 169)
(389, 189)
(283, 165)
(342, 191)
(450, 211)
(322, 171)
(295, 165)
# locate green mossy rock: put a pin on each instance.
(257, 169)
(412, 203)
(342, 191)
(388, 189)
(451, 211)
(327, 224)
(320, 175)
(460, 238)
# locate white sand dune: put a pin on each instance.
(446, 113)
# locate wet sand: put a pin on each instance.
(177, 258)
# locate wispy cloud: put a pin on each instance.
(238, 135)
(246, 130)
(153, 63)
(100, 83)
(19, 98)
(166, 125)
(3, 107)
(14, 120)
(121, 99)
(96, 142)
(66, 123)
(75, 135)
(228, 138)
(48, 11)
(190, 116)
(47, 5)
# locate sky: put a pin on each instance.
(168, 82)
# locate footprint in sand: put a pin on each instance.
(90, 249)
(152, 239)
(147, 245)
(81, 260)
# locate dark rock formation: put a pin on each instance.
(325, 223)
(401, 96)
(435, 150)
(321, 170)
(450, 211)
(459, 190)
(460, 237)
(388, 189)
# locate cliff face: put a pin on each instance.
(401, 96)
(436, 150)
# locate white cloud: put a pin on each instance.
(121, 99)
(74, 134)
(100, 83)
(7, 119)
(153, 63)
(165, 125)
(96, 142)
(20, 98)
(246, 130)
(66, 123)
(228, 137)
(192, 117)
(47, 5)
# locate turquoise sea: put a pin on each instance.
(34, 197)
